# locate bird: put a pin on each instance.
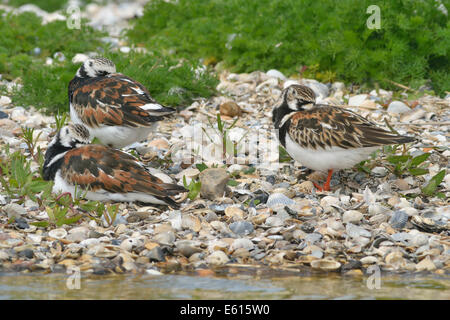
(116, 109)
(323, 137)
(101, 173)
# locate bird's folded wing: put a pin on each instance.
(116, 100)
(325, 127)
(96, 167)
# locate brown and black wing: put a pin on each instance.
(96, 167)
(116, 100)
(325, 127)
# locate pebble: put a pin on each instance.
(14, 210)
(242, 243)
(217, 258)
(398, 107)
(230, 109)
(352, 216)
(213, 182)
(241, 227)
(357, 100)
(276, 74)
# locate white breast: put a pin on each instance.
(115, 136)
(324, 159)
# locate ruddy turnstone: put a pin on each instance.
(115, 108)
(100, 172)
(325, 137)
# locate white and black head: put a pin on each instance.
(96, 67)
(69, 137)
(298, 97)
(293, 98)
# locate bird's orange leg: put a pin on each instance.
(326, 186)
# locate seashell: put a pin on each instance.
(233, 211)
(277, 199)
(58, 233)
(399, 219)
(428, 225)
(219, 208)
(325, 265)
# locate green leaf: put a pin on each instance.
(431, 187)
(418, 171)
(419, 159)
(250, 170)
(201, 167)
(232, 183)
(69, 220)
(43, 224)
(398, 159)
(37, 186)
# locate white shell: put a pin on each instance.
(58, 233)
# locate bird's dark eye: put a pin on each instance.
(90, 64)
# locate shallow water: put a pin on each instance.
(56, 286)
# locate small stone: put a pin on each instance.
(402, 184)
(379, 171)
(191, 222)
(398, 107)
(217, 258)
(242, 243)
(274, 222)
(21, 223)
(156, 254)
(325, 265)
(394, 258)
(305, 187)
(230, 109)
(369, 260)
(356, 231)
(276, 74)
(161, 144)
(260, 218)
(426, 264)
(368, 104)
(27, 253)
(234, 212)
(241, 227)
(4, 100)
(352, 216)
(357, 100)
(213, 182)
(187, 247)
(14, 210)
(166, 238)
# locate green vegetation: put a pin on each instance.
(325, 40)
(25, 44)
